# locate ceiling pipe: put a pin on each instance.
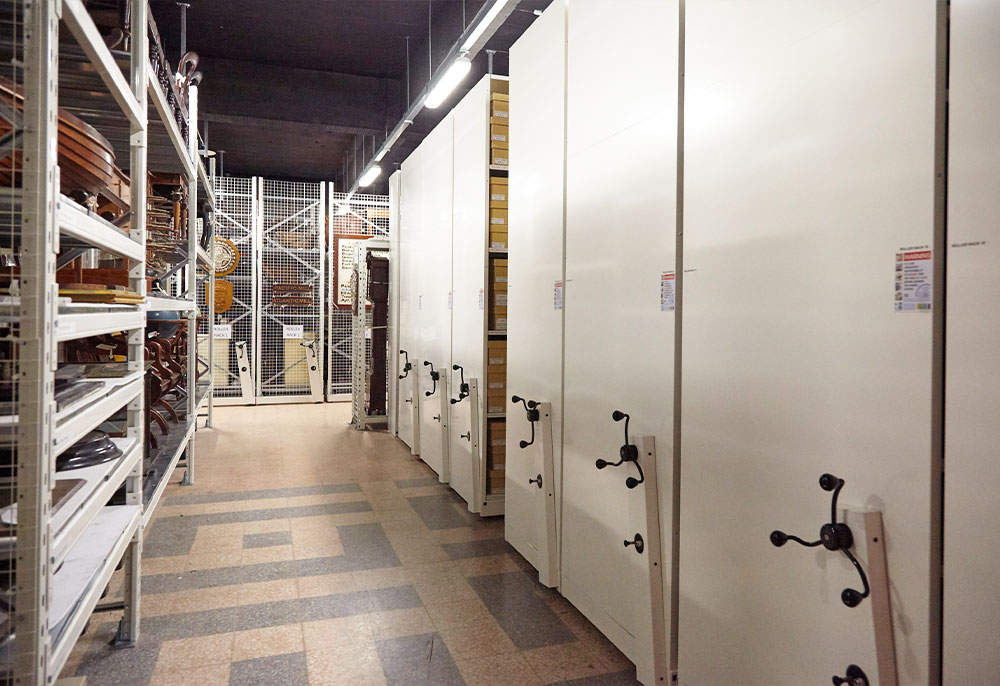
(469, 44)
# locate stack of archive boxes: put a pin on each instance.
(496, 403)
(496, 393)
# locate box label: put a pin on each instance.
(557, 296)
(498, 196)
(913, 279)
(292, 331)
(501, 299)
(667, 280)
(222, 331)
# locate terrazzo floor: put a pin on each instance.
(310, 553)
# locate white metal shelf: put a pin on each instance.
(77, 586)
(83, 225)
(74, 421)
(494, 505)
(149, 507)
(73, 518)
(167, 117)
(78, 19)
(203, 257)
(498, 251)
(80, 320)
(156, 303)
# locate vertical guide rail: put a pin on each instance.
(478, 455)
(210, 316)
(192, 202)
(654, 559)
(878, 577)
(128, 628)
(36, 348)
(552, 573)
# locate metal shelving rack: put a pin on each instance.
(361, 324)
(66, 552)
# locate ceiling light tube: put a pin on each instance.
(369, 176)
(446, 84)
(387, 146)
(483, 25)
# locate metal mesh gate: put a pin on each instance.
(290, 290)
(351, 220)
(235, 217)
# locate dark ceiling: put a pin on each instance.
(306, 89)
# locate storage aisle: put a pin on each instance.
(310, 553)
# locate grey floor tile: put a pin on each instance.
(318, 608)
(287, 670)
(223, 620)
(439, 511)
(395, 598)
(125, 667)
(418, 483)
(522, 614)
(421, 660)
(480, 548)
(365, 547)
(267, 540)
(615, 679)
(170, 536)
(232, 496)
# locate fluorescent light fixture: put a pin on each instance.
(446, 84)
(483, 25)
(392, 139)
(370, 176)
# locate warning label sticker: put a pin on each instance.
(913, 280)
(667, 291)
(557, 296)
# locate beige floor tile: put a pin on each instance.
(276, 640)
(443, 589)
(344, 665)
(431, 570)
(265, 526)
(458, 614)
(327, 522)
(330, 633)
(214, 675)
(165, 565)
(268, 591)
(193, 600)
(214, 560)
(416, 553)
(564, 662)
(201, 651)
(277, 553)
(231, 530)
(307, 552)
(498, 670)
(478, 640)
(324, 498)
(326, 584)
(396, 623)
(348, 518)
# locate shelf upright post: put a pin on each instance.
(210, 318)
(128, 627)
(192, 200)
(36, 349)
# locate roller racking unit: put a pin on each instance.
(67, 539)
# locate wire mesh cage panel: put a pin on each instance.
(352, 219)
(235, 326)
(290, 290)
